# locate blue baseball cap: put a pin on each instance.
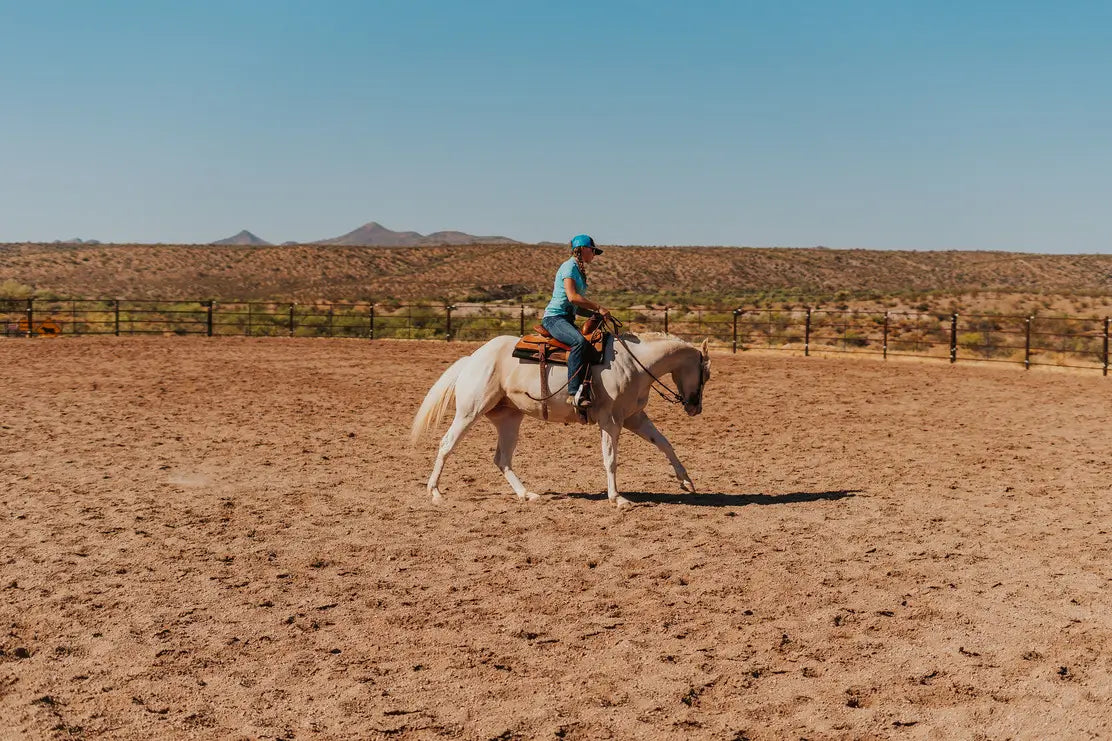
(584, 240)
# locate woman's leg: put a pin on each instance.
(566, 332)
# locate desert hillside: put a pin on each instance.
(485, 272)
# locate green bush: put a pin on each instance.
(13, 289)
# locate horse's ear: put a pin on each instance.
(703, 349)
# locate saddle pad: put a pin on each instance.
(531, 352)
(559, 357)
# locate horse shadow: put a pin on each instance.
(724, 500)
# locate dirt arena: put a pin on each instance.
(229, 539)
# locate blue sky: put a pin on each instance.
(911, 125)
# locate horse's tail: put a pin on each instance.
(436, 402)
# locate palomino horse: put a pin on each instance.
(493, 383)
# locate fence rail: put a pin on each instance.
(1076, 342)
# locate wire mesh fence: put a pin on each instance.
(1075, 342)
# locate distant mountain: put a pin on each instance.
(244, 238)
(376, 235)
(464, 238)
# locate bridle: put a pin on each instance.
(672, 396)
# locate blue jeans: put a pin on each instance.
(565, 331)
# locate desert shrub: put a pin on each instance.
(13, 289)
(854, 338)
(972, 339)
(483, 327)
(984, 324)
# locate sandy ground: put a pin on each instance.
(225, 539)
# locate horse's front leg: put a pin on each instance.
(610, 431)
(640, 425)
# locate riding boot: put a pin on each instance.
(584, 397)
(581, 411)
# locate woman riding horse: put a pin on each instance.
(568, 299)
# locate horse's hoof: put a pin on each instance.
(688, 486)
(529, 496)
(436, 498)
(621, 502)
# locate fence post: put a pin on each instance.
(1106, 346)
(247, 332)
(807, 334)
(448, 322)
(116, 306)
(523, 320)
(1027, 344)
(208, 320)
(73, 318)
(665, 320)
(736, 313)
(331, 330)
(372, 336)
(886, 335)
(30, 318)
(291, 319)
(953, 338)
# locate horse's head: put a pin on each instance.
(690, 379)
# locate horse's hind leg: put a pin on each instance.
(459, 427)
(475, 396)
(508, 422)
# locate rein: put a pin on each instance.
(544, 386)
(546, 398)
(673, 396)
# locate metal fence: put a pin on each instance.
(1075, 342)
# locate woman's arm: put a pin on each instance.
(579, 299)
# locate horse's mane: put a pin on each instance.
(652, 336)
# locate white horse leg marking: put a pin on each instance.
(640, 425)
(508, 422)
(610, 431)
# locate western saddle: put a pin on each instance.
(544, 349)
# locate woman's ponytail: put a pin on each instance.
(577, 253)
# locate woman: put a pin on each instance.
(569, 299)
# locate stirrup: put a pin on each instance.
(582, 413)
(582, 398)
